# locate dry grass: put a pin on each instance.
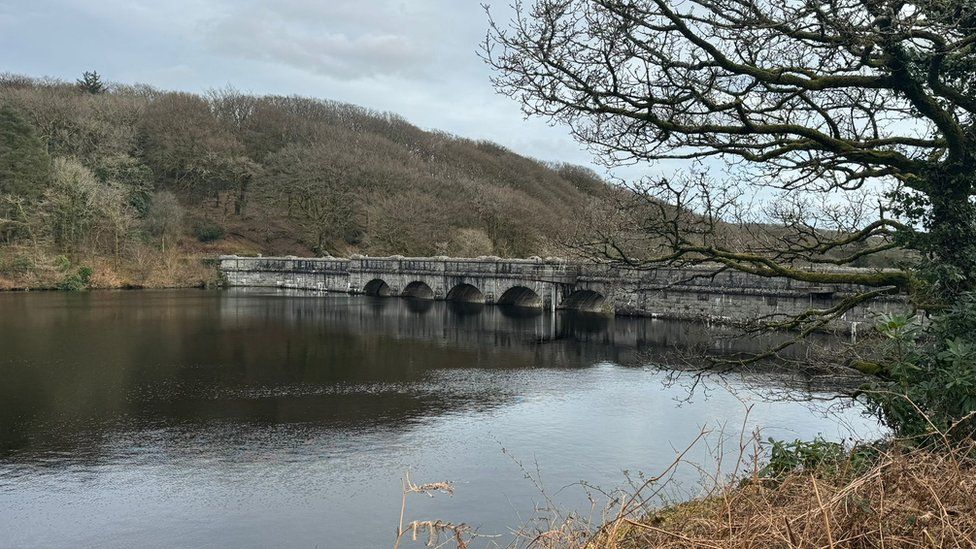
(432, 531)
(885, 495)
(173, 269)
(26, 268)
(908, 499)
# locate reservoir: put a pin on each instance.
(259, 418)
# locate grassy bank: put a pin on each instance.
(814, 494)
(897, 498)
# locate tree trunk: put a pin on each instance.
(241, 201)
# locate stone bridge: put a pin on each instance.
(673, 293)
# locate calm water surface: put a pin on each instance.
(265, 418)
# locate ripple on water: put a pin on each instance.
(207, 418)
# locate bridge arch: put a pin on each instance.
(521, 296)
(418, 289)
(377, 287)
(466, 293)
(586, 301)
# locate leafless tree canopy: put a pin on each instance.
(811, 98)
(271, 174)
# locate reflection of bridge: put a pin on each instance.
(667, 292)
(566, 338)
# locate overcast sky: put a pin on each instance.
(417, 58)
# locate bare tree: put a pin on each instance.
(414, 192)
(856, 114)
(164, 219)
(315, 190)
(189, 148)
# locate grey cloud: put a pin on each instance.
(340, 38)
(413, 57)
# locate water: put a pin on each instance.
(265, 418)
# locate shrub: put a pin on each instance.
(927, 390)
(77, 282)
(824, 457)
(21, 264)
(62, 263)
(209, 232)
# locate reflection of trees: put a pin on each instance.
(83, 372)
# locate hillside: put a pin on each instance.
(127, 176)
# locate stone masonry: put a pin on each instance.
(672, 293)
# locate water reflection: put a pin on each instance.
(257, 418)
(465, 308)
(418, 305)
(514, 311)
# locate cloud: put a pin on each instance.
(339, 38)
(417, 58)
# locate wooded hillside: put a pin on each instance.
(89, 170)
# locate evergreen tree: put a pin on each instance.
(24, 162)
(91, 82)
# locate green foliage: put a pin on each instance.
(818, 455)
(22, 264)
(91, 82)
(17, 263)
(928, 387)
(208, 232)
(24, 163)
(62, 263)
(76, 281)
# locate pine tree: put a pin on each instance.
(91, 82)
